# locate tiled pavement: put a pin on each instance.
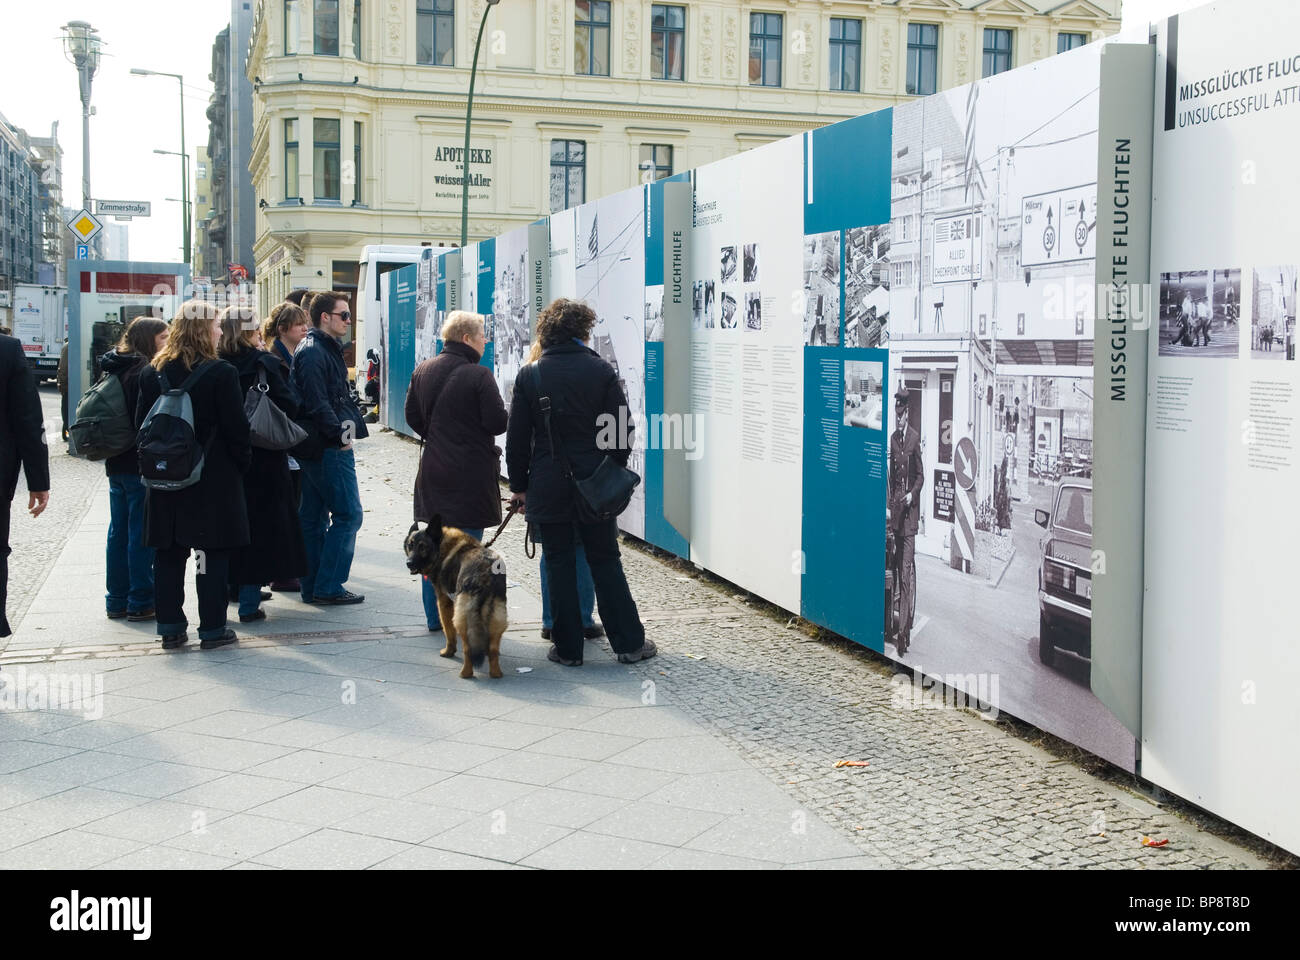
(338, 738)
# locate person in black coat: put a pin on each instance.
(283, 331)
(275, 550)
(208, 517)
(584, 391)
(454, 406)
(22, 447)
(128, 570)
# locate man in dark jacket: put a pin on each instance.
(22, 446)
(906, 478)
(454, 405)
(585, 394)
(331, 500)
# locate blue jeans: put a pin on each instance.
(330, 515)
(586, 591)
(129, 565)
(250, 598)
(431, 618)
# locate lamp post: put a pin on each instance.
(185, 169)
(81, 45)
(469, 112)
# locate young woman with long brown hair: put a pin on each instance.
(208, 517)
(129, 562)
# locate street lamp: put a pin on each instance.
(185, 198)
(469, 111)
(81, 45)
(185, 170)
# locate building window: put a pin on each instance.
(667, 42)
(846, 54)
(356, 29)
(568, 174)
(765, 49)
(325, 158)
(591, 38)
(435, 33)
(997, 51)
(922, 58)
(656, 162)
(325, 26)
(356, 164)
(291, 159)
(1068, 41)
(292, 26)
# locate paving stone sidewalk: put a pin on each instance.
(338, 738)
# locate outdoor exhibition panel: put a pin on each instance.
(1080, 560)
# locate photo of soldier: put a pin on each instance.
(1199, 311)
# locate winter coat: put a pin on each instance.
(22, 445)
(127, 367)
(320, 376)
(275, 550)
(582, 387)
(454, 405)
(210, 514)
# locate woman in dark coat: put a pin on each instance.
(453, 404)
(209, 516)
(129, 565)
(275, 551)
(583, 389)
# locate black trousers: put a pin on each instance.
(618, 613)
(4, 569)
(212, 569)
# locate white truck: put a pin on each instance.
(40, 322)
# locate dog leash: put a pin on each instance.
(514, 508)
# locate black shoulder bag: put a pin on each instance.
(607, 492)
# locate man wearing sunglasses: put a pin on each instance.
(330, 511)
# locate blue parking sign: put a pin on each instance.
(83, 251)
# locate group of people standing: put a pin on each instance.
(256, 516)
(454, 405)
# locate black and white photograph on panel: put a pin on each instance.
(654, 312)
(697, 305)
(863, 394)
(728, 311)
(728, 264)
(1272, 313)
(1199, 313)
(751, 263)
(710, 305)
(821, 289)
(753, 310)
(513, 338)
(611, 279)
(992, 555)
(866, 286)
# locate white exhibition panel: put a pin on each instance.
(1221, 649)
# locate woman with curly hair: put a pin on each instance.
(207, 517)
(583, 389)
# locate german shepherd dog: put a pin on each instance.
(469, 581)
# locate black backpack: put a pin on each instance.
(102, 427)
(171, 457)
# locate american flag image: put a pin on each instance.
(593, 245)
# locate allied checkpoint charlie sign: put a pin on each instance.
(806, 312)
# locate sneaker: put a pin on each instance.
(648, 650)
(546, 632)
(342, 598)
(141, 615)
(593, 633)
(214, 642)
(117, 614)
(250, 617)
(173, 640)
(553, 655)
